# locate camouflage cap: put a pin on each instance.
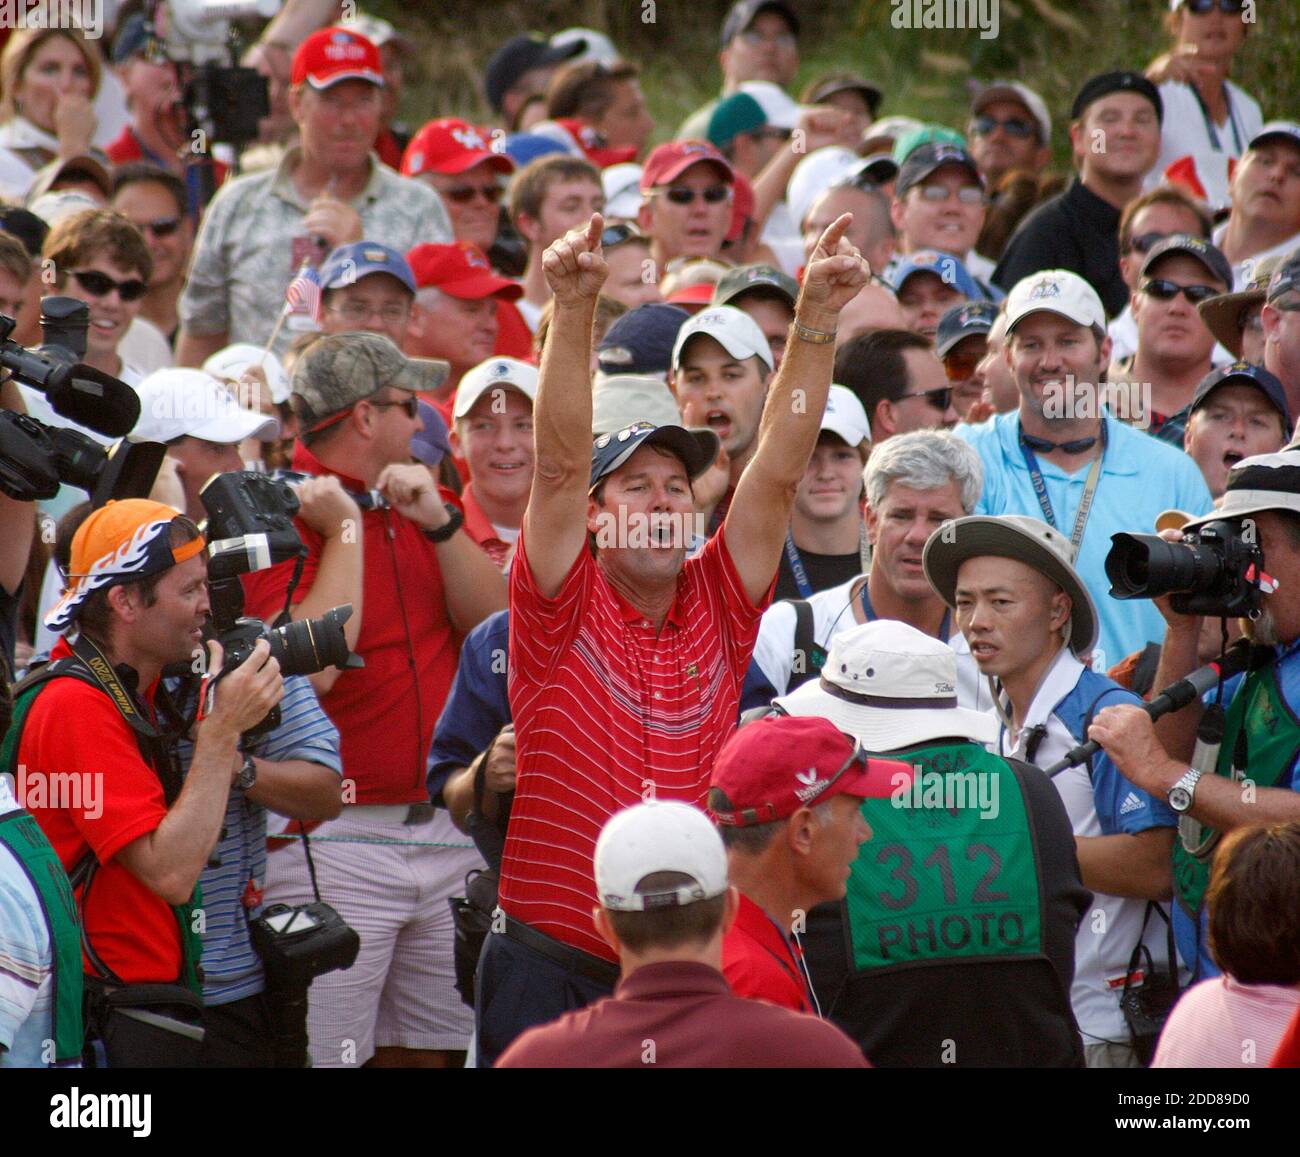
(338, 371)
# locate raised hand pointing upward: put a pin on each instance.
(835, 275)
(575, 264)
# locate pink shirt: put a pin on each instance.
(1224, 1024)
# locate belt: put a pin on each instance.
(571, 959)
(402, 813)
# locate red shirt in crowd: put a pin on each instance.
(609, 713)
(132, 929)
(479, 527)
(384, 715)
(127, 148)
(759, 961)
(682, 1015)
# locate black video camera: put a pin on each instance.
(1215, 570)
(36, 459)
(249, 528)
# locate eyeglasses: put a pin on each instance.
(772, 133)
(1203, 7)
(967, 194)
(681, 195)
(360, 311)
(985, 126)
(101, 285)
(959, 367)
(940, 399)
(162, 227)
(1163, 290)
(410, 404)
(464, 194)
(620, 234)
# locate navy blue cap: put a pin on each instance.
(132, 38)
(1248, 374)
(698, 449)
(348, 264)
(1095, 87)
(744, 12)
(1197, 247)
(519, 55)
(925, 159)
(641, 340)
(430, 445)
(963, 321)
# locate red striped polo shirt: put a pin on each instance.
(607, 713)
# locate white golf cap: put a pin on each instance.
(620, 400)
(493, 374)
(816, 173)
(1022, 94)
(622, 185)
(595, 45)
(179, 402)
(731, 328)
(1055, 291)
(229, 364)
(664, 836)
(891, 686)
(845, 416)
(780, 109)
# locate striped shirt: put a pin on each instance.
(231, 969)
(1224, 1024)
(607, 714)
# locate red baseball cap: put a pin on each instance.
(743, 206)
(460, 269)
(449, 145)
(771, 768)
(669, 161)
(330, 55)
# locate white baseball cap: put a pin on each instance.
(816, 173)
(595, 45)
(845, 416)
(731, 328)
(780, 109)
(1055, 291)
(663, 836)
(492, 374)
(229, 364)
(178, 402)
(622, 185)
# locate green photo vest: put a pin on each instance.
(1261, 738)
(950, 870)
(23, 837)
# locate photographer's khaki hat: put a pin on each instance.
(343, 369)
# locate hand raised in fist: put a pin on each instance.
(575, 264)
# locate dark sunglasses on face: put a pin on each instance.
(1163, 290)
(939, 399)
(411, 405)
(985, 126)
(713, 195)
(464, 194)
(101, 285)
(620, 234)
(162, 227)
(959, 367)
(1202, 7)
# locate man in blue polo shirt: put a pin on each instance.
(1058, 457)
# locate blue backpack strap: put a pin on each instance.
(1086, 690)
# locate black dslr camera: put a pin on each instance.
(1216, 570)
(249, 528)
(36, 459)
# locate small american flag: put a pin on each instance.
(303, 294)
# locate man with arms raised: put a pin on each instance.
(626, 663)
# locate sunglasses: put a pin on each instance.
(620, 234)
(101, 285)
(986, 126)
(856, 757)
(680, 195)
(411, 405)
(162, 227)
(1163, 290)
(464, 194)
(967, 194)
(940, 399)
(959, 367)
(1202, 7)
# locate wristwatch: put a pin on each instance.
(454, 521)
(247, 774)
(1184, 791)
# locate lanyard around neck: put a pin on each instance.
(1210, 129)
(1089, 489)
(869, 614)
(793, 557)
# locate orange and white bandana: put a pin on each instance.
(121, 542)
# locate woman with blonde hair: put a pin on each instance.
(49, 78)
